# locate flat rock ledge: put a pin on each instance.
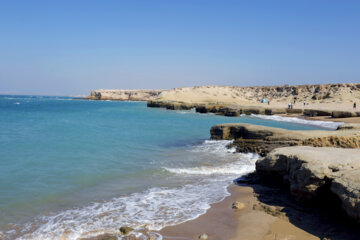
(311, 171)
(234, 110)
(262, 139)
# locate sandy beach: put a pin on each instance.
(265, 216)
(223, 222)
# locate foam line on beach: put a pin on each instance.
(324, 124)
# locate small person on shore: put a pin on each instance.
(304, 103)
(268, 102)
(354, 106)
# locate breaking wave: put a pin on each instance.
(149, 210)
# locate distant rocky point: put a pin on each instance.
(124, 95)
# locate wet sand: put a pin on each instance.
(270, 213)
(221, 222)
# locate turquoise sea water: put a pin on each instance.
(71, 168)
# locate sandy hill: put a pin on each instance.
(312, 93)
(324, 96)
(320, 96)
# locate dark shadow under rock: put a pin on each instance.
(322, 217)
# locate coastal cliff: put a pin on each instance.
(124, 95)
(311, 172)
(312, 163)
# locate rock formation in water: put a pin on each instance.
(312, 163)
(262, 139)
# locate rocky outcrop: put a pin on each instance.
(124, 95)
(316, 113)
(344, 114)
(170, 105)
(261, 139)
(229, 110)
(235, 110)
(311, 172)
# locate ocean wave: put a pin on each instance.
(214, 146)
(324, 124)
(191, 111)
(244, 165)
(150, 210)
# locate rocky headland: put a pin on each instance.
(124, 95)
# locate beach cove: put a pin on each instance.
(206, 159)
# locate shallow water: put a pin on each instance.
(72, 168)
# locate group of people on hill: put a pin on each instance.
(291, 105)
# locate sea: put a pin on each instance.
(72, 169)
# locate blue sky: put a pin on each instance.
(71, 47)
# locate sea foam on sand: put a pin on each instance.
(324, 124)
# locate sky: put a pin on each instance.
(70, 47)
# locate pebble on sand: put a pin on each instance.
(238, 205)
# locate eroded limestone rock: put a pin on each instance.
(311, 171)
(262, 139)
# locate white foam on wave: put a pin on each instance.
(244, 165)
(324, 124)
(214, 146)
(149, 210)
(152, 209)
(186, 111)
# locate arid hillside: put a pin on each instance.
(310, 93)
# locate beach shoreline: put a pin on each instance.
(265, 216)
(224, 223)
